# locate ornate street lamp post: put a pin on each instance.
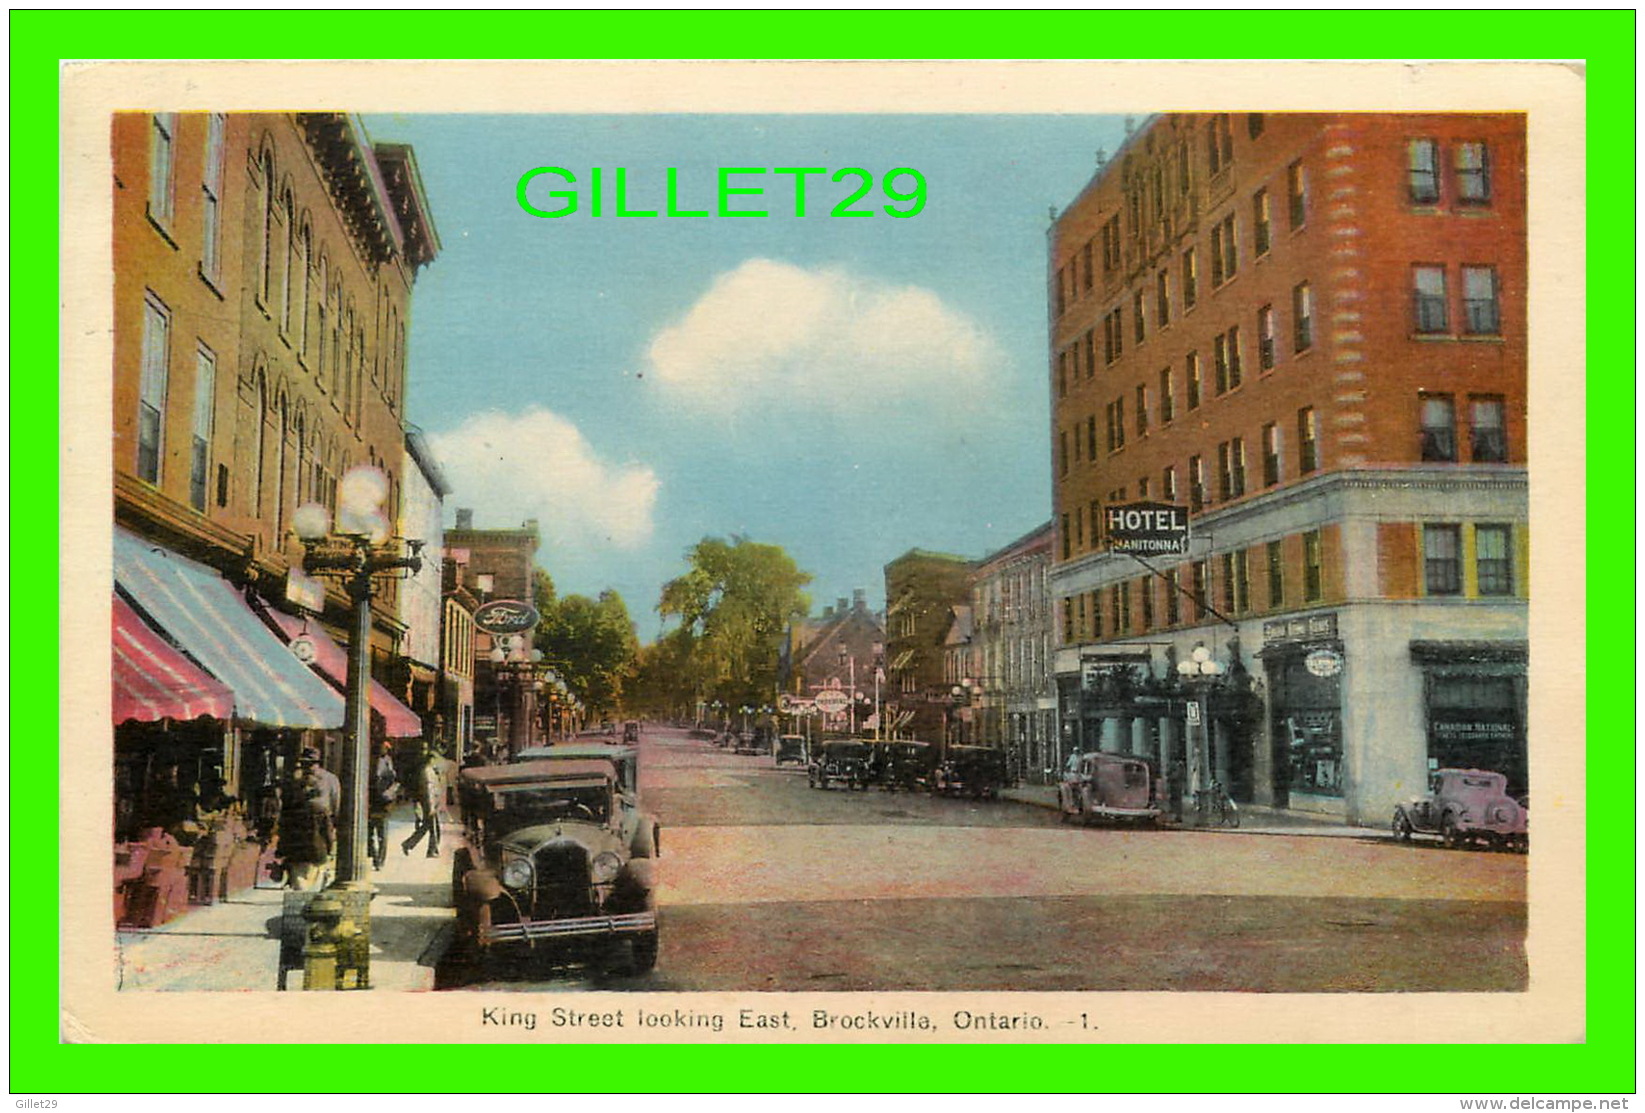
(360, 548)
(523, 668)
(1199, 672)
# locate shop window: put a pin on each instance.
(1473, 172)
(1265, 338)
(1167, 398)
(1422, 171)
(1439, 437)
(1480, 311)
(1493, 564)
(1261, 222)
(1487, 437)
(1313, 567)
(1442, 559)
(1428, 301)
(1193, 380)
(1302, 317)
(1296, 190)
(1276, 575)
(1162, 299)
(1190, 278)
(151, 402)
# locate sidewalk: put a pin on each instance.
(1254, 818)
(235, 944)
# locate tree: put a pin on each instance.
(591, 643)
(734, 603)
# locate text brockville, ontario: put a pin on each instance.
(756, 1022)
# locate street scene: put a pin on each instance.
(685, 554)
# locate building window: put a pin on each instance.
(1067, 539)
(1190, 279)
(151, 402)
(1162, 299)
(162, 164)
(1442, 559)
(1276, 575)
(1198, 585)
(1428, 300)
(1090, 436)
(1439, 436)
(1224, 252)
(1307, 441)
(1313, 567)
(1230, 594)
(1265, 338)
(1111, 245)
(1296, 191)
(1058, 293)
(1487, 435)
(1085, 265)
(1122, 607)
(1113, 336)
(1067, 620)
(211, 188)
(1196, 483)
(1096, 614)
(1096, 522)
(1261, 220)
(1079, 527)
(1167, 400)
(1473, 169)
(1062, 452)
(1116, 425)
(1173, 597)
(1226, 352)
(1236, 466)
(1254, 123)
(1422, 161)
(1225, 482)
(1168, 484)
(205, 385)
(1302, 317)
(1146, 590)
(1193, 380)
(1142, 487)
(1138, 325)
(1492, 564)
(1142, 411)
(1089, 341)
(1219, 144)
(1270, 454)
(1062, 374)
(1479, 301)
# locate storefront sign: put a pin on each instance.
(831, 701)
(1472, 731)
(305, 591)
(1146, 527)
(1324, 662)
(1301, 628)
(505, 616)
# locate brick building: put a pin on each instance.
(922, 589)
(1014, 695)
(487, 564)
(1310, 332)
(839, 651)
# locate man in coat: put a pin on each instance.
(308, 817)
(428, 790)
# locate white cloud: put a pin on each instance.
(821, 338)
(536, 464)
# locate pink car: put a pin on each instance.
(1103, 786)
(1465, 807)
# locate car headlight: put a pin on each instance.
(517, 873)
(606, 867)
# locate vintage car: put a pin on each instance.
(904, 765)
(790, 747)
(557, 852)
(840, 760)
(1465, 807)
(974, 771)
(756, 741)
(1101, 786)
(631, 733)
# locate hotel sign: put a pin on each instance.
(1147, 527)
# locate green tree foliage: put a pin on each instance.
(591, 643)
(733, 605)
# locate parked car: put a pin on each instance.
(790, 748)
(1102, 786)
(756, 741)
(904, 765)
(557, 851)
(1465, 807)
(840, 760)
(974, 771)
(631, 733)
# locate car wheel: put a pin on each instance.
(1449, 833)
(1402, 826)
(643, 952)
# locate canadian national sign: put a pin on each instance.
(1147, 527)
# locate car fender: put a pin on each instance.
(483, 885)
(641, 874)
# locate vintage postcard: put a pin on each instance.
(867, 553)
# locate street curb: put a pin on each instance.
(1321, 831)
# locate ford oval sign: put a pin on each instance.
(505, 616)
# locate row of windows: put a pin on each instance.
(1465, 177)
(1431, 308)
(162, 200)
(154, 386)
(1487, 429)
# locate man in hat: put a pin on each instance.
(428, 791)
(308, 818)
(385, 788)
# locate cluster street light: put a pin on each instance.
(516, 663)
(1199, 672)
(359, 548)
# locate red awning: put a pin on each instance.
(331, 662)
(154, 681)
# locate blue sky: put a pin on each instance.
(847, 388)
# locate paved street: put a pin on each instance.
(771, 885)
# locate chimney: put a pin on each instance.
(828, 613)
(859, 600)
(839, 605)
(465, 518)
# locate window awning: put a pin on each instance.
(331, 660)
(205, 615)
(152, 680)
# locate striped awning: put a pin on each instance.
(152, 680)
(331, 661)
(201, 612)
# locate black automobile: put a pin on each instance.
(557, 852)
(975, 771)
(841, 761)
(905, 765)
(790, 748)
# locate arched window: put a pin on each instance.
(322, 314)
(266, 258)
(308, 285)
(283, 428)
(301, 433)
(262, 442)
(288, 245)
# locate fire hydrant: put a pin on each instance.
(323, 914)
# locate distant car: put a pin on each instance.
(631, 733)
(840, 760)
(557, 851)
(905, 765)
(1103, 786)
(789, 748)
(1465, 807)
(974, 771)
(756, 741)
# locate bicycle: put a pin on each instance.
(1215, 807)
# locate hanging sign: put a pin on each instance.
(831, 701)
(1323, 662)
(1146, 527)
(505, 616)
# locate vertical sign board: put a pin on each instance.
(1147, 528)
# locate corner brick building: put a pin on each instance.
(1308, 330)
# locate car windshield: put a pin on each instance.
(519, 807)
(1480, 782)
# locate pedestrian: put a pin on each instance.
(429, 795)
(308, 832)
(385, 789)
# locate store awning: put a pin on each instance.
(331, 660)
(153, 681)
(206, 616)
